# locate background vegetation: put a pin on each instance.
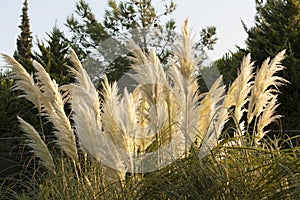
(276, 28)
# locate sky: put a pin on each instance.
(225, 15)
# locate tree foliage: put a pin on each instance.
(11, 106)
(229, 64)
(106, 43)
(277, 27)
(53, 56)
(24, 41)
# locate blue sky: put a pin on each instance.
(226, 15)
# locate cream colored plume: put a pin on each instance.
(184, 54)
(39, 147)
(268, 116)
(238, 93)
(266, 85)
(24, 82)
(212, 116)
(53, 108)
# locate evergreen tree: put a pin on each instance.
(10, 105)
(24, 41)
(53, 56)
(277, 27)
(229, 63)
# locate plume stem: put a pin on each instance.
(42, 126)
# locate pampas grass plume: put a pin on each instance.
(23, 82)
(39, 147)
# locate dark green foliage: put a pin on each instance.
(87, 33)
(6, 98)
(207, 39)
(229, 64)
(24, 42)
(226, 173)
(277, 27)
(12, 156)
(53, 56)
(142, 20)
(10, 107)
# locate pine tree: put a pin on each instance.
(229, 63)
(53, 56)
(24, 41)
(277, 27)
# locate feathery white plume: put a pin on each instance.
(53, 108)
(24, 82)
(265, 85)
(39, 147)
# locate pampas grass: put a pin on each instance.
(267, 117)
(213, 116)
(265, 85)
(84, 101)
(39, 147)
(263, 95)
(53, 108)
(88, 124)
(238, 93)
(159, 126)
(46, 97)
(25, 82)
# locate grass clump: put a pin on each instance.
(163, 140)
